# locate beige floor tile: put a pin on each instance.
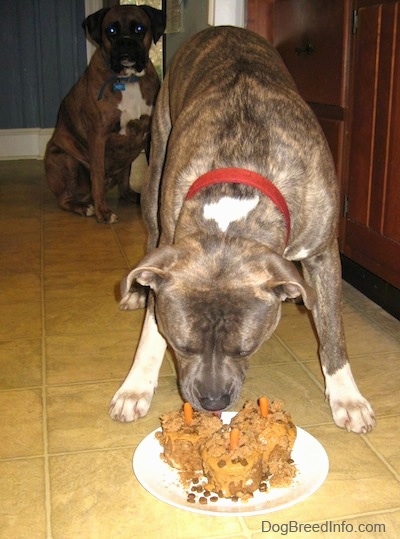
(82, 245)
(20, 205)
(20, 253)
(131, 234)
(93, 496)
(377, 377)
(372, 525)
(370, 309)
(296, 326)
(21, 423)
(375, 526)
(17, 287)
(83, 315)
(60, 285)
(271, 352)
(97, 496)
(358, 483)
(87, 424)
(363, 336)
(85, 358)
(21, 201)
(384, 440)
(303, 350)
(385, 321)
(20, 363)
(15, 228)
(20, 321)
(290, 383)
(22, 499)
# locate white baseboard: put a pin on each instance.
(23, 143)
(31, 144)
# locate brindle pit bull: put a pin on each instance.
(104, 122)
(241, 185)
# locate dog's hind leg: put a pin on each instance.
(69, 181)
(125, 191)
(150, 198)
(133, 398)
(350, 409)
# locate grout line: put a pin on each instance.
(117, 240)
(342, 518)
(380, 456)
(303, 364)
(371, 315)
(363, 514)
(44, 375)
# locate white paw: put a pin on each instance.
(132, 297)
(113, 219)
(132, 301)
(350, 410)
(128, 406)
(90, 211)
(353, 415)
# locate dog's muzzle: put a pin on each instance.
(215, 404)
(127, 53)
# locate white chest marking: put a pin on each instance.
(132, 105)
(228, 209)
(300, 255)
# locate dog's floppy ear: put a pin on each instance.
(286, 281)
(150, 272)
(294, 289)
(92, 24)
(157, 20)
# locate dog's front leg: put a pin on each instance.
(133, 398)
(97, 146)
(350, 409)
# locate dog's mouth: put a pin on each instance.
(127, 67)
(127, 63)
(217, 414)
(130, 68)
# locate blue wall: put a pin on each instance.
(43, 52)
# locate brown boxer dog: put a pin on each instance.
(104, 121)
(241, 187)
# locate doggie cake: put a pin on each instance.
(252, 452)
(232, 463)
(183, 434)
(276, 434)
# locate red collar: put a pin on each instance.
(246, 177)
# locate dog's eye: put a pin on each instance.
(112, 30)
(138, 29)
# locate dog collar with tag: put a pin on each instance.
(245, 177)
(118, 84)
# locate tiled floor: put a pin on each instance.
(65, 467)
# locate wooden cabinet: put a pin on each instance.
(313, 38)
(345, 59)
(372, 232)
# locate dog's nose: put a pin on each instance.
(215, 404)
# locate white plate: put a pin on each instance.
(163, 482)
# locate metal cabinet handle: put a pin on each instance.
(307, 50)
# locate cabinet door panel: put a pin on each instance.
(391, 217)
(373, 221)
(311, 36)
